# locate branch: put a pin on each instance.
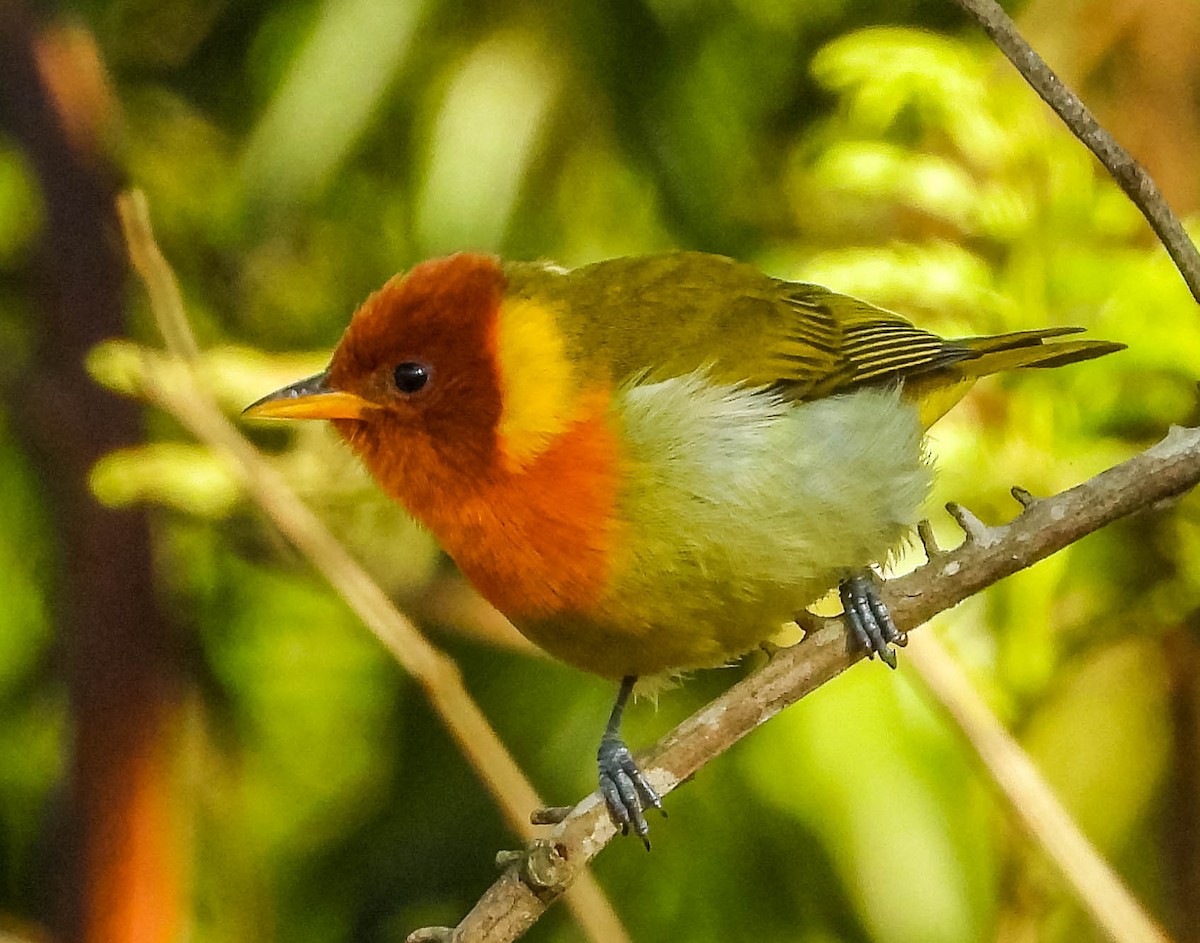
(522, 894)
(541, 875)
(1129, 174)
(174, 385)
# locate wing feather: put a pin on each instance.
(863, 344)
(655, 317)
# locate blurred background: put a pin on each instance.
(243, 760)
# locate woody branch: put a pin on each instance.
(988, 554)
(1170, 468)
(1130, 175)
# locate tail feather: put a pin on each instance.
(937, 391)
(988, 342)
(1026, 349)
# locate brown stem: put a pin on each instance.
(1129, 174)
(175, 386)
(121, 864)
(516, 901)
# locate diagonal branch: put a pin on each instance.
(173, 384)
(528, 887)
(539, 877)
(1129, 174)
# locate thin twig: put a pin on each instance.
(517, 900)
(1124, 168)
(1031, 799)
(174, 386)
(166, 300)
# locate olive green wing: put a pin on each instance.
(834, 342)
(830, 342)
(659, 316)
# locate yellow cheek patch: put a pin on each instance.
(538, 382)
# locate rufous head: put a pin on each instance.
(415, 371)
(469, 408)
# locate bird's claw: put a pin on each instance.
(625, 789)
(869, 619)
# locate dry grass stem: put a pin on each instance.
(1167, 469)
(1095, 885)
(174, 386)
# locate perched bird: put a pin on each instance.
(649, 465)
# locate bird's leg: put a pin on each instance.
(624, 788)
(869, 619)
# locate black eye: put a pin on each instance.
(410, 376)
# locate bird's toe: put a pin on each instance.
(625, 789)
(869, 619)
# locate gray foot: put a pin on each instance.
(625, 790)
(869, 619)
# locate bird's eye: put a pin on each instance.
(410, 376)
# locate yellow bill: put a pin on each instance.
(310, 398)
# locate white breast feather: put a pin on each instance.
(753, 507)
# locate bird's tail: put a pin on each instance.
(983, 356)
(1001, 352)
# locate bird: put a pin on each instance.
(651, 464)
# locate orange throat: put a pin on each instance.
(536, 540)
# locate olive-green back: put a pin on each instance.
(666, 315)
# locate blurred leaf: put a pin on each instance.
(186, 477)
(853, 761)
(1112, 706)
(20, 209)
(354, 51)
(485, 135)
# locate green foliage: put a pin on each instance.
(296, 155)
